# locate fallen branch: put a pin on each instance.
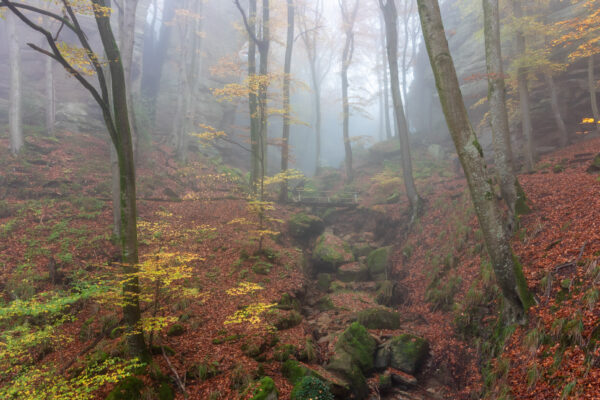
(177, 378)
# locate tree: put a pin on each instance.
(285, 149)
(257, 101)
(348, 19)
(524, 101)
(390, 15)
(14, 112)
(311, 34)
(506, 268)
(385, 84)
(117, 124)
(497, 99)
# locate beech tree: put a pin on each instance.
(117, 124)
(287, 69)
(390, 15)
(507, 269)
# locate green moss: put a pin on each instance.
(283, 352)
(264, 389)
(175, 330)
(478, 147)
(325, 304)
(262, 268)
(521, 206)
(377, 262)
(357, 342)
(379, 318)
(129, 388)
(331, 252)
(311, 388)
(324, 281)
(304, 227)
(293, 371)
(522, 288)
(408, 353)
(165, 392)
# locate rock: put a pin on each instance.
(283, 319)
(324, 281)
(378, 263)
(363, 286)
(436, 151)
(385, 150)
(408, 353)
(330, 252)
(391, 294)
(303, 227)
(382, 357)
(384, 383)
(75, 117)
(362, 249)
(379, 318)
(319, 386)
(353, 272)
(343, 364)
(357, 342)
(265, 390)
(403, 379)
(128, 388)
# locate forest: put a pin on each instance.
(299, 199)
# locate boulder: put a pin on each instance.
(353, 272)
(379, 318)
(402, 379)
(283, 319)
(265, 390)
(378, 263)
(324, 281)
(391, 294)
(408, 353)
(330, 252)
(342, 363)
(304, 227)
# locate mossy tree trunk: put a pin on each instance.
(506, 268)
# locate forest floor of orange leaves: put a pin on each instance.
(53, 220)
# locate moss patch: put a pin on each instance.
(379, 318)
(408, 353)
(377, 263)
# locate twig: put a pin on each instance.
(177, 378)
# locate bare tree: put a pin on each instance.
(386, 85)
(390, 15)
(506, 268)
(15, 102)
(287, 69)
(348, 20)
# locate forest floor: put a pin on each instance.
(205, 276)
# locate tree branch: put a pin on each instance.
(247, 25)
(40, 11)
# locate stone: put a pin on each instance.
(265, 390)
(283, 319)
(408, 353)
(382, 357)
(379, 318)
(324, 281)
(353, 272)
(391, 294)
(405, 380)
(342, 363)
(304, 227)
(330, 252)
(357, 342)
(378, 263)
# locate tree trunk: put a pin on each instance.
(14, 111)
(283, 195)
(263, 70)
(524, 101)
(318, 117)
(560, 124)
(506, 268)
(593, 98)
(497, 99)
(390, 15)
(386, 86)
(115, 186)
(124, 150)
(348, 18)
(127, 19)
(50, 108)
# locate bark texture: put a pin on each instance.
(507, 270)
(560, 124)
(287, 69)
(593, 98)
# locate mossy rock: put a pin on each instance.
(265, 390)
(287, 302)
(262, 268)
(284, 319)
(176, 330)
(391, 294)
(344, 364)
(378, 263)
(353, 272)
(129, 388)
(293, 371)
(379, 318)
(330, 252)
(325, 304)
(324, 281)
(408, 353)
(357, 342)
(362, 249)
(303, 227)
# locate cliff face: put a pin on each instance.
(465, 37)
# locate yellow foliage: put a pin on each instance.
(244, 288)
(588, 121)
(249, 314)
